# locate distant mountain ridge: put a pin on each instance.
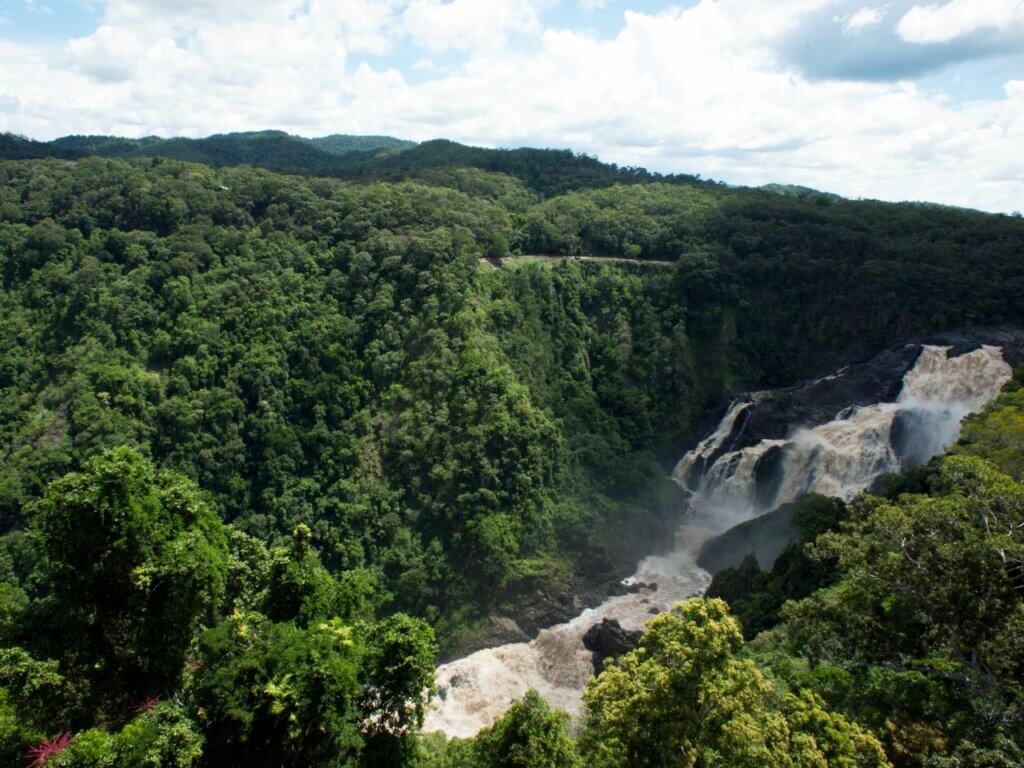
(370, 158)
(344, 143)
(14, 147)
(275, 150)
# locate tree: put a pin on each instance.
(997, 433)
(682, 698)
(924, 575)
(301, 590)
(160, 736)
(529, 735)
(498, 249)
(398, 667)
(269, 694)
(398, 679)
(136, 561)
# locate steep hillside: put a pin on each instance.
(292, 405)
(336, 354)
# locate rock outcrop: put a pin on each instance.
(608, 640)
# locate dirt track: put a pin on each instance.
(557, 257)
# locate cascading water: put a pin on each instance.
(844, 456)
(840, 457)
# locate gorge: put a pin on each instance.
(836, 435)
(276, 446)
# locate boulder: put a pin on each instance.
(608, 640)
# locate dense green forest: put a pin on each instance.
(319, 437)
(275, 150)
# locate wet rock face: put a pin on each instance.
(879, 380)
(763, 537)
(777, 413)
(768, 475)
(1010, 340)
(608, 640)
(494, 631)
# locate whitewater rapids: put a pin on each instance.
(840, 458)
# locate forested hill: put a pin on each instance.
(275, 150)
(14, 147)
(386, 421)
(336, 354)
(548, 171)
(343, 144)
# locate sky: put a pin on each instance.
(897, 100)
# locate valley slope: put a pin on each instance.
(262, 434)
(333, 353)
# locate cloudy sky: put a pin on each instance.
(896, 100)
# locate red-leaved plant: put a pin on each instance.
(147, 704)
(47, 748)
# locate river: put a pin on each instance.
(841, 457)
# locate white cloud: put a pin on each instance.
(35, 7)
(863, 18)
(959, 18)
(693, 90)
(111, 54)
(468, 24)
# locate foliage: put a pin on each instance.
(135, 562)
(275, 694)
(163, 737)
(997, 433)
(756, 597)
(255, 423)
(926, 619)
(399, 675)
(317, 353)
(300, 589)
(529, 735)
(683, 698)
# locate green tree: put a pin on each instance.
(682, 698)
(398, 667)
(398, 678)
(269, 694)
(923, 627)
(498, 249)
(300, 589)
(925, 574)
(161, 737)
(997, 433)
(528, 735)
(135, 560)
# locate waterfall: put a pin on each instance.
(844, 456)
(729, 485)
